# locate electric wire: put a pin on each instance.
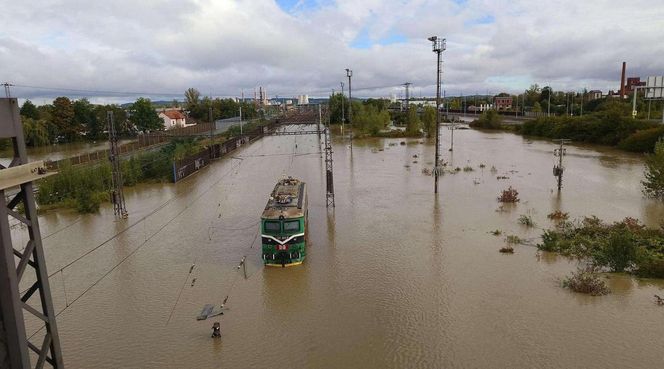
(139, 246)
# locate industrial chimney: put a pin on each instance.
(622, 81)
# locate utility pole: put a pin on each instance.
(7, 86)
(438, 46)
(349, 74)
(117, 194)
(559, 169)
(343, 118)
(23, 265)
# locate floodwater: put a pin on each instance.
(395, 277)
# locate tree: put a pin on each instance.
(85, 118)
(429, 120)
(144, 116)
(62, 116)
(413, 122)
(335, 108)
(192, 96)
(653, 185)
(35, 132)
(537, 107)
(29, 110)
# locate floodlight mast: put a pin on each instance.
(438, 46)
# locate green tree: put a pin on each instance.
(429, 120)
(144, 116)
(537, 107)
(192, 97)
(653, 185)
(85, 118)
(29, 110)
(413, 123)
(62, 118)
(35, 132)
(336, 102)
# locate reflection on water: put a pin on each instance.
(395, 277)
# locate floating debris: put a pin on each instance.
(415, 156)
(507, 249)
(482, 166)
(402, 143)
(659, 301)
(468, 168)
(496, 232)
(502, 177)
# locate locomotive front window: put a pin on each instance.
(291, 225)
(272, 226)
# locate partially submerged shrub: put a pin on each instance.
(513, 239)
(558, 216)
(509, 195)
(467, 168)
(526, 220)
(625, 246)
(496, 232)
(585, 280)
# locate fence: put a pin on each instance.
(145, 140)
(191, 164)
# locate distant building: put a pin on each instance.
(633, 82)
(173, 119)
(303, 100)
(594, 94)
(502, 102)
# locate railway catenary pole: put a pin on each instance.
(343, 118)
(27, 264)
(349, 74)
(559, 169)
(117, 196)
(438, 47)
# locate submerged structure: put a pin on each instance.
(284, 224)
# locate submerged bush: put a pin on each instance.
(586, 281)
(625, 246)
(653, 185)
(509, 195)
(526, 220)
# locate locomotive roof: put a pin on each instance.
(288, 199)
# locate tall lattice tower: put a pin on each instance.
(117, 194)
(26, 264)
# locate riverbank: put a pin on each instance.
(607, 128)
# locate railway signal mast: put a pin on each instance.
(558, 169)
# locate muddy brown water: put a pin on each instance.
(395, 277)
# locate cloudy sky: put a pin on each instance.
(161, 47)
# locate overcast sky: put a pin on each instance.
(291, 47)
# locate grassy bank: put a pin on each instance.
(84, 188)
(625, 246)
(610, 127)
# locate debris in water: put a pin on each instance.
(415, 156)
(659, 301)
(216, 330)
(496, 232)
(482, 166)
(507, 249)
(402, 143)
(193, 281)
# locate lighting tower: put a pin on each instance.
(343, 118)
(407, 85)
(349, 74)
(438, 46)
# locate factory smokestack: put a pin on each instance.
(622, 80)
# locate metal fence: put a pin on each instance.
(191, 164)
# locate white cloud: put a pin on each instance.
(224, 46)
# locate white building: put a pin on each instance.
(173, 119)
